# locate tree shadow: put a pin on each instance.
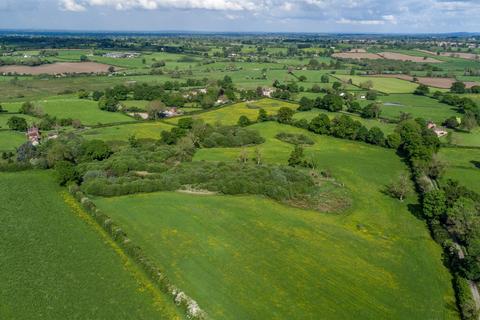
(475, 163)
(416, 210)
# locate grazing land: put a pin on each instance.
(239, 176)
(56, 266)
(211, 244)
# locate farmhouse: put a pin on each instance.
(267, 92)
(33, 135)
(120, 55)
(439, 131)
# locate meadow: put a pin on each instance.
(374, 260)
(417, 106)
(86, 111)
(9, 140)
(385, 85)
(463, 165)
(144, 130)
(228, 115)
(57, 265)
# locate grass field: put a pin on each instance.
(248, 257)
(463, 165)
(5, 117)
(56, 266)
(386, 85)
(146, 130)
(9, 140)
(86, 111)
(466, 139)
(417, 106)
(229, 115)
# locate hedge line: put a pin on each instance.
(192, 309)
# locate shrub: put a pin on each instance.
(294, 138)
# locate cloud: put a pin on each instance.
(71, 5)
(227, 5)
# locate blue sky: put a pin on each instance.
(404, 16)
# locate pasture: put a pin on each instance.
(144, 130)
(58, 264)
(9, 140)
(228, 115)
(375, 260)
(417, 106)
(386, 85)
(463, 165)
(86, 111)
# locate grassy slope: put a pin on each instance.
(55, 266)
(244, 257)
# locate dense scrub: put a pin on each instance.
(285, 184)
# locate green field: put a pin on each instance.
(386, 85)
(463, 165)
(5, 117)
(9, 140)
(229, 115)
(86, 111)
(248, 257)
(145, 130)
(58, 264)
(417, 106)
(466, 139)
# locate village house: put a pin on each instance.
(267, 92)
(33, 135)
(119, 55)
(439, 131)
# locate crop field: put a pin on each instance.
(386, 85)
(463, 165)
(57, 67)
(229, 115)
(366, 259)
(57, 266)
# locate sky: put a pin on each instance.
(348, 16)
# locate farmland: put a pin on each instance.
(180, 236)
(238, 176)
(56, 68)
(59, 266)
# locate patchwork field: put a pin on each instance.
(374, 260)
(57, 264)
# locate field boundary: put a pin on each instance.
(125, 247)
